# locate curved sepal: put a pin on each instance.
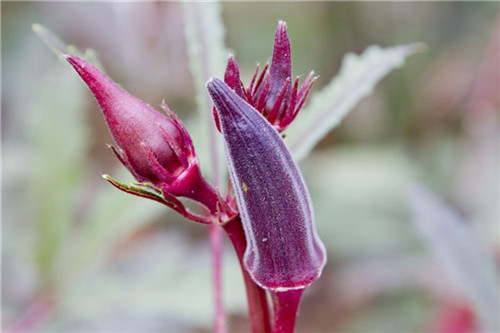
(149, 191)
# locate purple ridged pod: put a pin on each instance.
(284, 251)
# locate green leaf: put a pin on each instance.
(60, 141)
(54, 43)
(207, 54)
(357, 78)
(462, 255)
(59, 48)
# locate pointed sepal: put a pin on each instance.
(280, 71)
(149, 191)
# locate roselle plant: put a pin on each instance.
(266, 210)
(280, 251)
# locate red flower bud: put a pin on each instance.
(156, 148)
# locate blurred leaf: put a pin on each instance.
(205, 42)
(60, 143)
(357, 78)
(358, 197)
(403, 311)
(60, 138)
(462, 255)
(59, 48)
(165, 275)
(52, 41)
(111, 217)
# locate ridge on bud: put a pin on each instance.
(284, 251)
(155, 147)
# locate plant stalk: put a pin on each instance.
(285, 305)
(258, 307)
(215, 237)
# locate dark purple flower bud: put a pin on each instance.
(156, 148)
(273, 92)
(283, 251)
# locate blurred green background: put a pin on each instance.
(79, 256)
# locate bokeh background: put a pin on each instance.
(79, 256)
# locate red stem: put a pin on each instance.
(36, 313)
(196, 188)
(215, 233)
(256, 296)
(258, 307)
(285, 306)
